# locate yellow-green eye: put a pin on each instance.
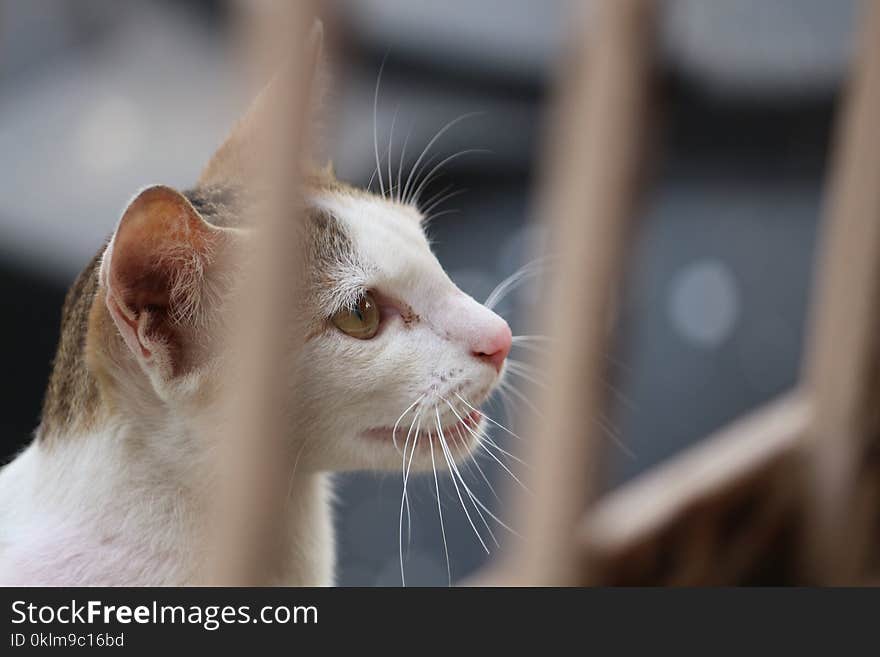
(360, 322)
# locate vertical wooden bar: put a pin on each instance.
(253, 459)
(591, 184)
(841, 367)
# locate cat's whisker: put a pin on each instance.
(431, 218)
(441, 197)
(403, 498)
(452, 469)
(375, 124)
(394, 430)
(472, 460)
(489, 441)
(476, 500)
(602, 422)
(509, 387)
(417, 192)
(479, 438)
(609, 431)
(530, 338)
(403, 455)
(457, 473)
(484, 437)
(517, 278)
(526, 366)
(622, 398)
(403, 161)
(531, 347)
(506, 402)
(429, 211)
(440, 513)
(465, 462)
(514, 368)
(375, 171)
(497, 424)
(440, 133)
(476, 463)
(504, 466)
(390, 142)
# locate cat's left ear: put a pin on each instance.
(154, 275)
(239, 155)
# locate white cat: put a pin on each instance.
(114, 488)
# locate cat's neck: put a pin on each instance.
(138, 509)
(138, 525)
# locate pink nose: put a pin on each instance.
(495, 345)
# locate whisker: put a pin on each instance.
(405, 496)
(475, 462)
(497, 424)
(477, 502)
(455, 472)
(375, 171)
(394, 430)
(431, 218)
(375, 124)
(513, 281)
(530, 338)
(612, 434)
(477, 465)
(528, 346)
(455, 483)
(516, 369)
(433, 140)
(506, 403)
(440, 513)
(622, 398)
(480, 445)
(504, 466)
(492, 443)
(403, 499)
(508, 386)
(403, 160)
(390, 142)
(434, 202)
(484, 436)
(414, 197)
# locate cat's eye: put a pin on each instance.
(360, 321)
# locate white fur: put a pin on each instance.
(125, 504)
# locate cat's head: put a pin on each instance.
(394, 354)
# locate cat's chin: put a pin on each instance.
(459, 436)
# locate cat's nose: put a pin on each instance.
(494, 344)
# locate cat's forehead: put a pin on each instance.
(385, 236)
(370, 219)
(356, 239)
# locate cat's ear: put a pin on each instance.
(154, 276)
(239, 155)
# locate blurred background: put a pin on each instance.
(101, 97)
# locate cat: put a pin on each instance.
(113, 489)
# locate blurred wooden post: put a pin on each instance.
(254, 460)
(841, 367)
(588, 199)
(719, 513)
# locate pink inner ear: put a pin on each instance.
(130, 331)
(160, 241)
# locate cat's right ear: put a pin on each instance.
(154, 277)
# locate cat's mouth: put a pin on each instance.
(461, 430)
